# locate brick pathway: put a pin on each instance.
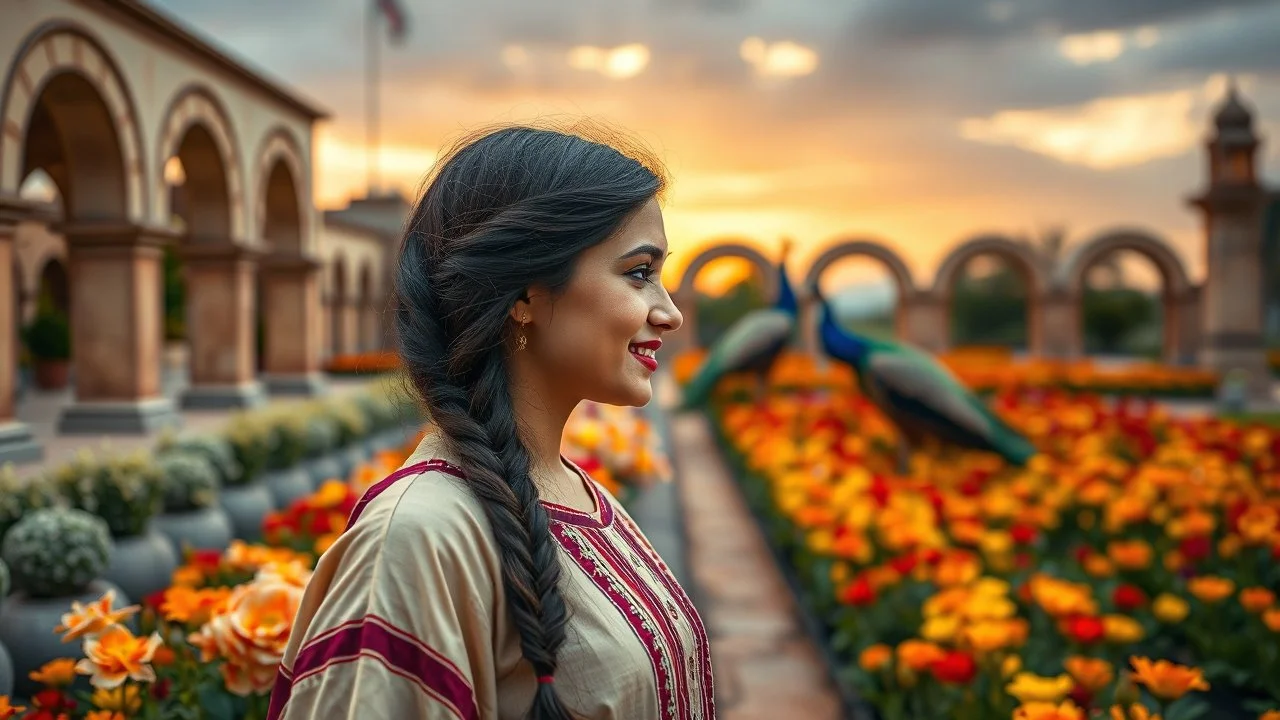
(765, 665)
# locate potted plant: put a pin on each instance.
(322, 439)
(244, 496)
(192, 518)
(19, 497)
(6, 662)
(127, 491)
(352, 428)
(286, 476)
(56, 556)
(48, 339)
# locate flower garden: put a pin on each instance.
(1130, 571)
(164, 585)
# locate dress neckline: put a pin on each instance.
(602, 517)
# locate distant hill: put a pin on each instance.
(865, 300)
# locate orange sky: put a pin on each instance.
(916, 122)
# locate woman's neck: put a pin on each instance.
(541, 417)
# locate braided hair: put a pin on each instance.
(502, 211)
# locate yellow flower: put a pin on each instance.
(1049, 711)
(875, 657)
(1211, 588)
(1010, 666)
(110, 699)
(1092, 674)
(116, 655)
(104, 715)
(1170, 609)
(1029, 688)
(55, 673)
(1122, 629)
(941, 629)
(1256, 599)
(93, 617)
(1165, 680)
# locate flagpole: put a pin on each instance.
(372, 181)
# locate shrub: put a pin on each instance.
(55, 552)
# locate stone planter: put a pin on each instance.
(52, 374)
(6, 672)
(142, 564)
(26, 630)
(246, 506)
(199, 529)
(325, 467)
(288, 485)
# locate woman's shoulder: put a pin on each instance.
(426, 498)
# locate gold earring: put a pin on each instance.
(521, 340)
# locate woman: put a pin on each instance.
(490, 577)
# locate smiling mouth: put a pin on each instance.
(645, 354)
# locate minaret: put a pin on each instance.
(1231, 301)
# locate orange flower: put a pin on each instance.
(190, 606)
(1271, 619)
(1092, 674)
(1170, 609)
(918, 654)
(55, 673)
(6, 710)
(1030, 688)
(250, 634)
(1258, 524)
(105, 715)
(1270, 715)
(1167, 681)
(1256, 599)
(1211, 588)
(291, 572)
(1135, 712)
(93, 618)
(1129, 554)
(1048, 711)
(116, 655)
(875, 657)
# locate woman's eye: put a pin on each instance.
(644, 273)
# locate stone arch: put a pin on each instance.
(1176, 290)
(61, 61)
(1025, 260)
(283, 197)
(727, 250)
(686, 293)
(196, 122)
(338, 303)
(878, 252)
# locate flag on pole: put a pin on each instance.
(391, 10)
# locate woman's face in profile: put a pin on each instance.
(599, 339)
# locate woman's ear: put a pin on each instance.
(522, 309)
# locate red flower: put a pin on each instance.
(155, 600)
(931, 556)
(1082, 553)
(1128, 598)
(160, 690)
(956, 668)
(858, 593)
(1081, 696)
(1084, 629)
(904, 563)
(1023, 534)
(1195, 548)
(53, 700)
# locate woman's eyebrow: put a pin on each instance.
(646, 249)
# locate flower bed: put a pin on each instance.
(972, 590)
(370, 363)
(208, 646)
(989, 371)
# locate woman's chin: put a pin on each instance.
(634, 393)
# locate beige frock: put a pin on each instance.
(405, 616)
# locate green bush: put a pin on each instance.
(48, 336)
(251, 441)
(190, 481)
(214, 448)
(125, 490)
(56, 552)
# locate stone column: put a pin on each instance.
(349, 316)
(1060, 324)
(116, 329)
(1189, 322)
(291, 302)
(16, 442)
(220, 281)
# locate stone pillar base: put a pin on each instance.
(140, 417)
(223, 397)
(310, 385)
(17, 444)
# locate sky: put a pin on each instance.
(916, 122)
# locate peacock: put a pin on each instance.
(920, 396)
(752, 344)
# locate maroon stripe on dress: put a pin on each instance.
(372, 637)
(377, 488)
(279, 694)
(647, 599)
(635, 539)
(569, 539)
